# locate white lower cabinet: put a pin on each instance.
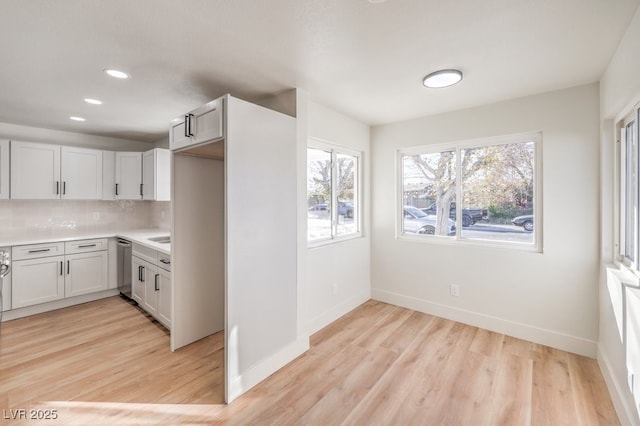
(138, 272)
(164, 297)
(86, 273)
(44, 273)
(151, 286)
(37, 281)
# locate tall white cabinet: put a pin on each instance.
(234, 239)
(4, 169)
(46, 172)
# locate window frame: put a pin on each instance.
(458, 146)
(335, 150)
(621, 204)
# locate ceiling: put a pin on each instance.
(365, 60)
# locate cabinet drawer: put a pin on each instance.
(164, 261)
(81, 246)
(145, 253)
(33, 251)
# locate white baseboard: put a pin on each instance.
(618, 391)
(57, 304)
(336, 312)
(264, 369)
(527, 332)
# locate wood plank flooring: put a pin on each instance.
(107, 363)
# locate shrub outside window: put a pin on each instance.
(476, 191)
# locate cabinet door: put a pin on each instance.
(149, 175)
(151, 290)
(206, 122)
(4, 170)
(128, 175)
(108, 175)
(35, 171)
(156, 175)
(85, 273)
(164, 298)
(138, 275)
(37, 281)
(178, 136)
(81, 172)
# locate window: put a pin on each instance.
(480, 191)
(629, 191)
(333, 180)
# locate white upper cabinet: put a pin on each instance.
(128, 181)
(4, 170)
(81, 172)
(156, 175)
(203, 124)
(108, 175)
(35, 171)
(42, 171)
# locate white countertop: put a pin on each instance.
(139, 236)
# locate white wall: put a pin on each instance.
(549, 297)
(345, 264)
(619, 91)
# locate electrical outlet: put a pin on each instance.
(455, 290)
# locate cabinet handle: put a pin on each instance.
(61, 267)
(39, 250)
(57, 187)
(141, 192)
(64, 187)
(157, 284)
(165, 261)
(144, 274)
(87, 245)
(189, 121)
(68, 267)
(117, 189)
(186, 126)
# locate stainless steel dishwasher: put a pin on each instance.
(124, 267)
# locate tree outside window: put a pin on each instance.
(494, 184)
(332, 193)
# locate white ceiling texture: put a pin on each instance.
(363, 58)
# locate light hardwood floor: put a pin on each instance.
(107, 363)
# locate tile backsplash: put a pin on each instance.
(66, 216)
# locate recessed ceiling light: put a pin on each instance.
(74, 118)
(93, 101)
(442, 78)
(376, 1)
(116, 73)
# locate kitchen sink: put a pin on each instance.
(165, 239)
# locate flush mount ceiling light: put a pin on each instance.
(93, 101)
(442, 78)
(116, 73)
(74, 118)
